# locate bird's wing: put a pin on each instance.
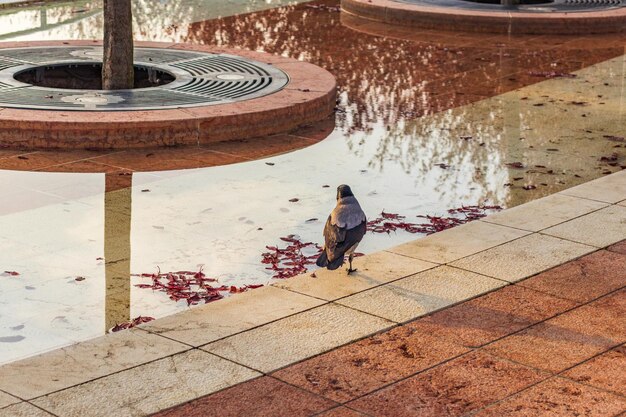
(339, 240)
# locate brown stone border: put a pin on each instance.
(309, 97)
(428, 17)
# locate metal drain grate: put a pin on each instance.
(554, 6)
(201, 79)
(594, 2)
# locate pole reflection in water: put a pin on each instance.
(117, 250)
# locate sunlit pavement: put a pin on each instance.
(451, 126)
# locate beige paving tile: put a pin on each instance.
(610, 189)
(524, 257)
(373, 270)
(23, 410)
(214, 321)
(601, 228)
(148, 388)
(622, 203)
(294, 338)
(456, 243)
(545, 212)
(83, 362)
(422, 293)
(6, 400)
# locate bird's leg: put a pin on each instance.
(350, 270)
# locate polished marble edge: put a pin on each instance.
(613, 188)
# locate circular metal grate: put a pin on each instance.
(201, 79)
(553, 6)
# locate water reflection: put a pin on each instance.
(426, 121)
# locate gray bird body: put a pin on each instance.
(343, 231)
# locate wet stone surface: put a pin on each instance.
(426, 122)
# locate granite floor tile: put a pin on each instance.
(372, 271)
(584, 279)
(148, 388)
(619, 247)
(600, 229)
(342, 412)
(602, 318)
(554, 209)
(458, 242)
(524, 257)
(422, 293)
(298, 337)
(262, 397)
(611, 189)
(83, 362)
(491, 316)
(558, 397)
(210, 322)
(23, 410)
(561, 342)
(605, 371)
(452, 389)
(364, 366)
(6, 400)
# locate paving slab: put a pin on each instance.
(6, 400)
(605, 371)
(148, 388)
(205, 324)
(372, 271)
(558, 397)
(23, 410)
(619, 247)
(584, 279)
(275, 345)
(85, 361)
(610, 189)
(600, 229)
(484, 319)
(545, 212)
(262, 397)
(524, 257)
(564, 341)
(422, 293)
(603, 317)
(342, 412)
(458, 387)
(362, 367)
(458, 242)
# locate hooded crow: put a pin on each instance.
(343, 232)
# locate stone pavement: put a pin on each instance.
(544, 337)
(551, 345)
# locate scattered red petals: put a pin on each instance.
(290, 261)
(11, 273)
(193, 287)
(389, 222)
(130, 324)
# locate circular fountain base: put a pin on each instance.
(188, 95)
(560, 17)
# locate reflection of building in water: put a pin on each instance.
(396, 84)
(154, 20)
(31, 22)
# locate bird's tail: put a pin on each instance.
(336, 263)
(322, 261)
